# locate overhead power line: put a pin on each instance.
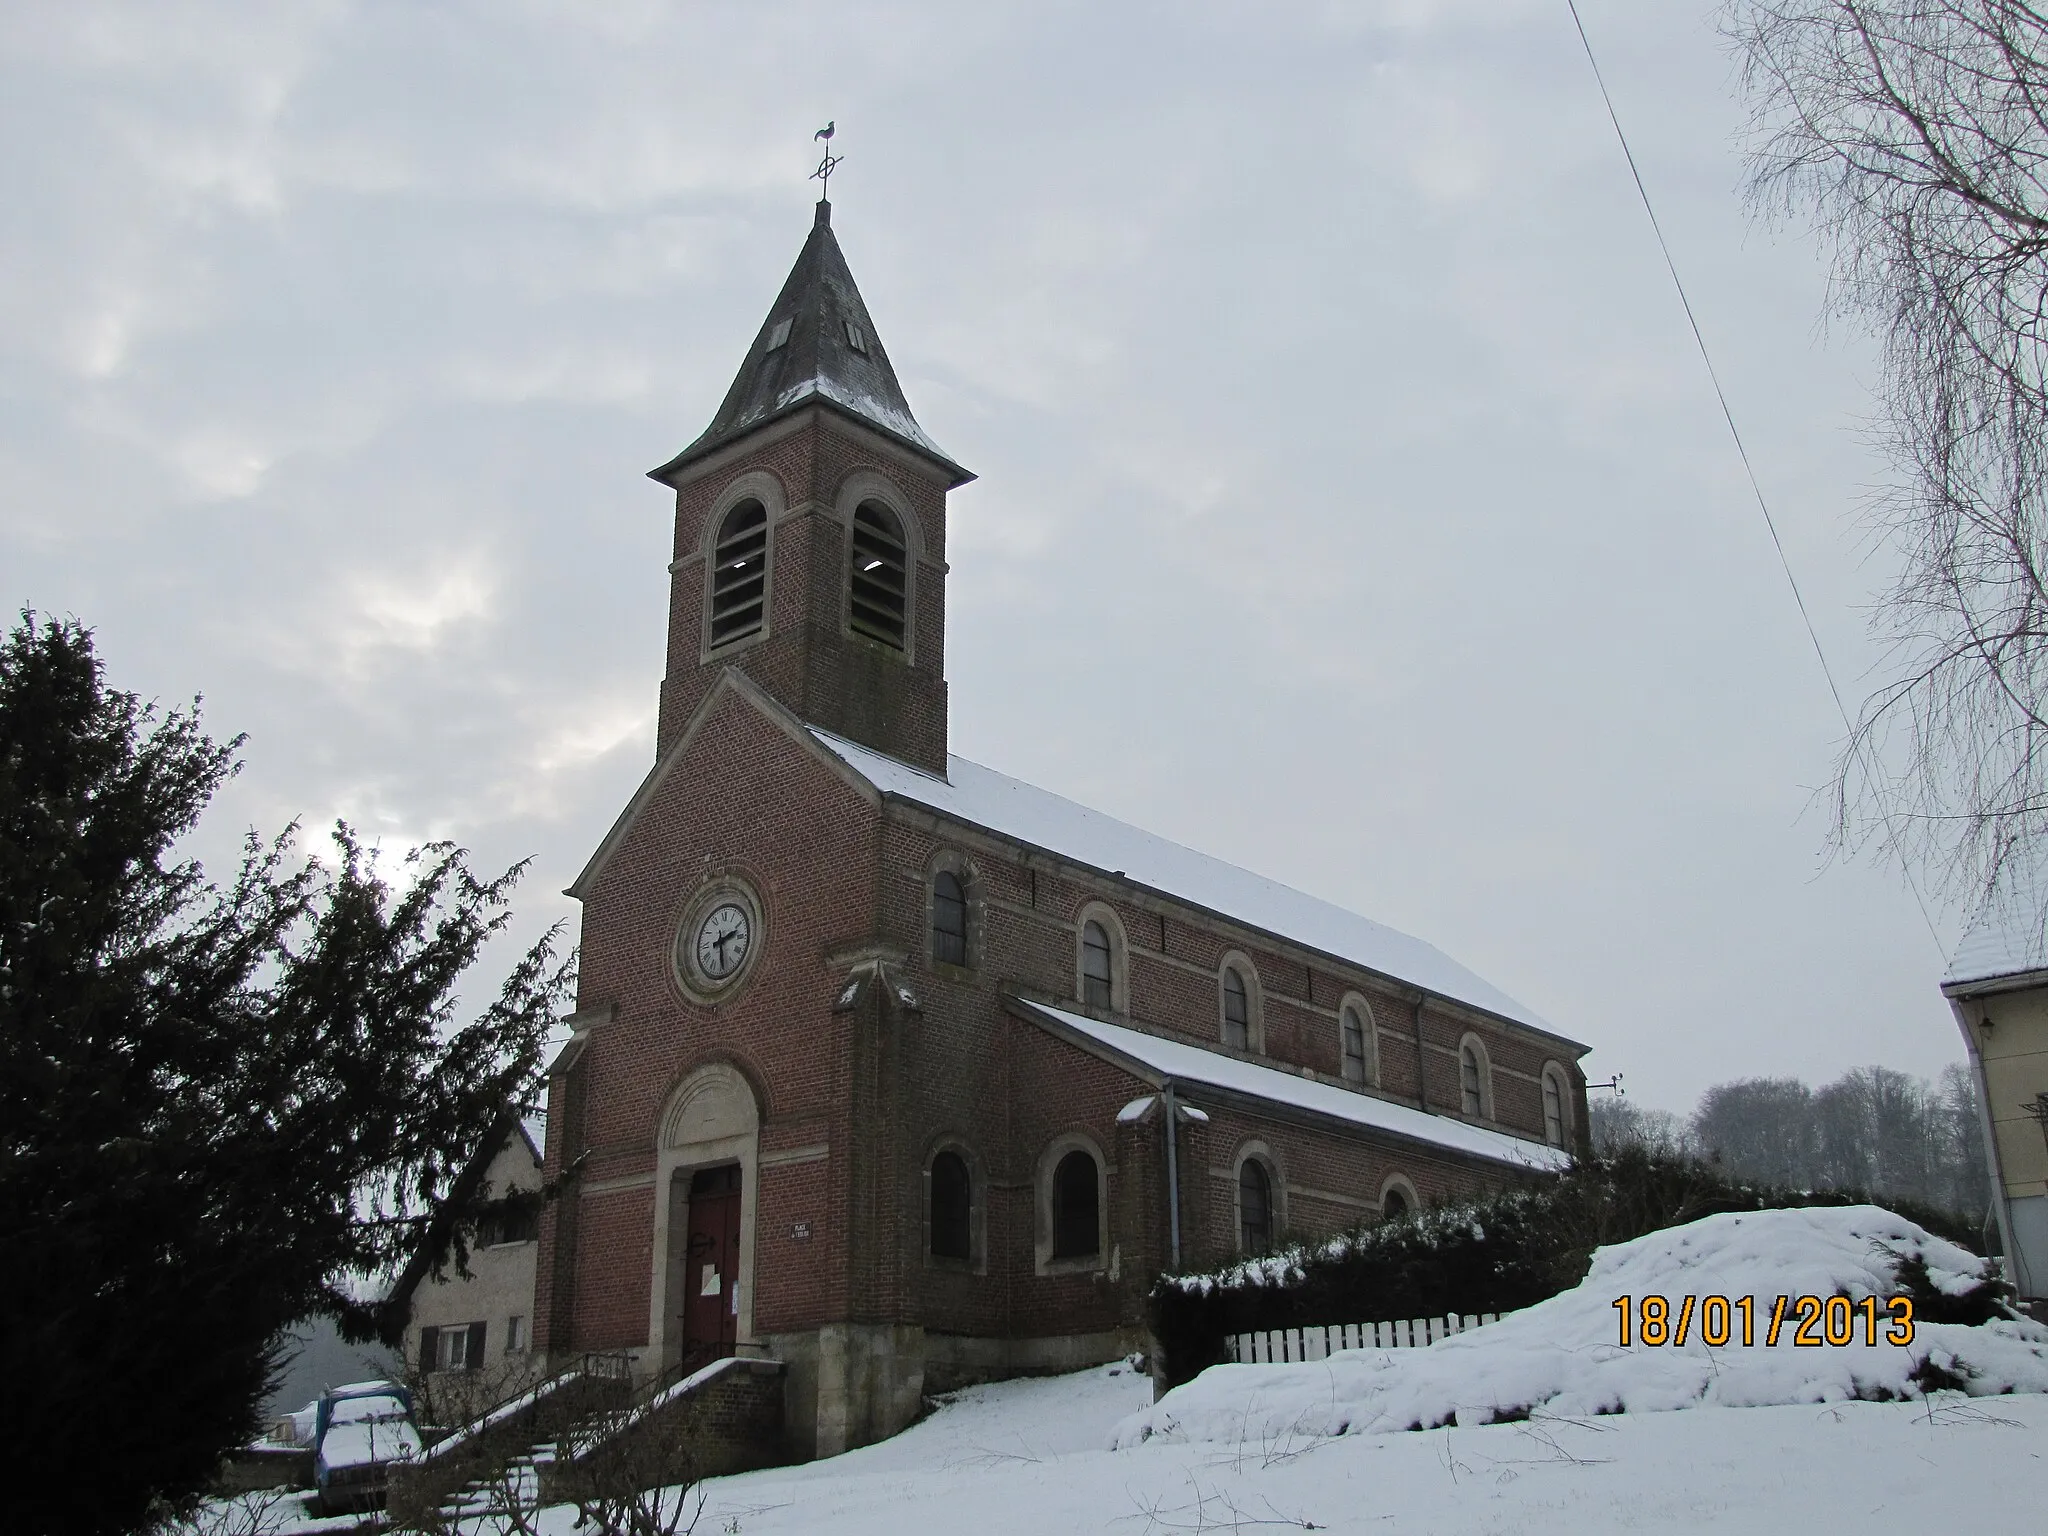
(1856, 744)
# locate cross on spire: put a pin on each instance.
(827, 165)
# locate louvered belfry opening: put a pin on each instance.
(739, 574)
(877, 575)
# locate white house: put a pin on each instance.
(1997, 985)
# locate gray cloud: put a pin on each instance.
(1352, 505)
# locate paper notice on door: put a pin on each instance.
(708, 1286)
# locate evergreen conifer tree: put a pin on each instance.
(220, 1105)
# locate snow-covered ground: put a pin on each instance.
(994, 1466)
(1568, 1356)
(1636, 1439)
(1031, 1458)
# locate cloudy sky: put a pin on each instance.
(1352, 502)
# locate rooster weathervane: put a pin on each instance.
(827, 165)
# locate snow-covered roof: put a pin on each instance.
(1192, 1064)
(984, 798)
(2009, 935)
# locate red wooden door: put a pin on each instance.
(711, 1276)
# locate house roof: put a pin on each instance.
(2008, 938)
(817, 346)
(1024, 813)
(1160, 1060)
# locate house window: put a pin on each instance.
(460, 1348)
(949, 919)
(1237, 1011)
(515, 1219)
(739, 574)
(1354, 1038)
(1076, 1208)
(1254, 1207)
(1553, 1107)
(1097, 989)
(952, 1194)
(1471, 1080)
(1393, 1203)
(515, 1334)
(876, 593)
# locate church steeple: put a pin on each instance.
(811, 529)
(817, 345)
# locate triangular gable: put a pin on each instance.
(731, 683)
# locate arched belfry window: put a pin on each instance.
(876, 583)
(1237, 1011)
(949, 919)
(1254, 1207)
(952, 1212)
(1098, 987)
(739, 574)
(1076, 1207)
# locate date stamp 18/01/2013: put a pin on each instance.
(1817, 1322)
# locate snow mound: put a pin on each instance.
(1562, 1356)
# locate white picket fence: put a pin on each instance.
(1283, 1346)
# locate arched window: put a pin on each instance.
(949, 919)
(1353, 1029)
(1098, 988)
(952, 1210)
(1393, 1203)
(876, 577)
(1471, 1080)
(1237, 1011)
(1254, 1207)
(739, 574)
(1076, 1208)
(1553, 1107)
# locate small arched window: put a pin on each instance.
(1237, 1011)
(1098, 990)
(949, 919)
(1393, 1203)
(739, 574)
(1354, 1038)
(1471, 1083)
(1553, 1107)
(952, 1209)
(1076, 1208)
(1254, 1207)
(875, 581)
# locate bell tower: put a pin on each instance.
(810, 536)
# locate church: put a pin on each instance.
(908, 1074)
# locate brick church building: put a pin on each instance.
(910, 1074)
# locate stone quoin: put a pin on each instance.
(908, 1074)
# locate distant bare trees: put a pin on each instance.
(1914, 135)
(1891, 1134)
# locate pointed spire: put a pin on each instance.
(817, 346)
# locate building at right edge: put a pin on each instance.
(1997, 986)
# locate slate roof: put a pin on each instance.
(1027, 814)
(817, 345)
(1185, 1066)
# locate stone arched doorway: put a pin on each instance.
(706, 1177)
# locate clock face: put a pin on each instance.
(722, 940)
